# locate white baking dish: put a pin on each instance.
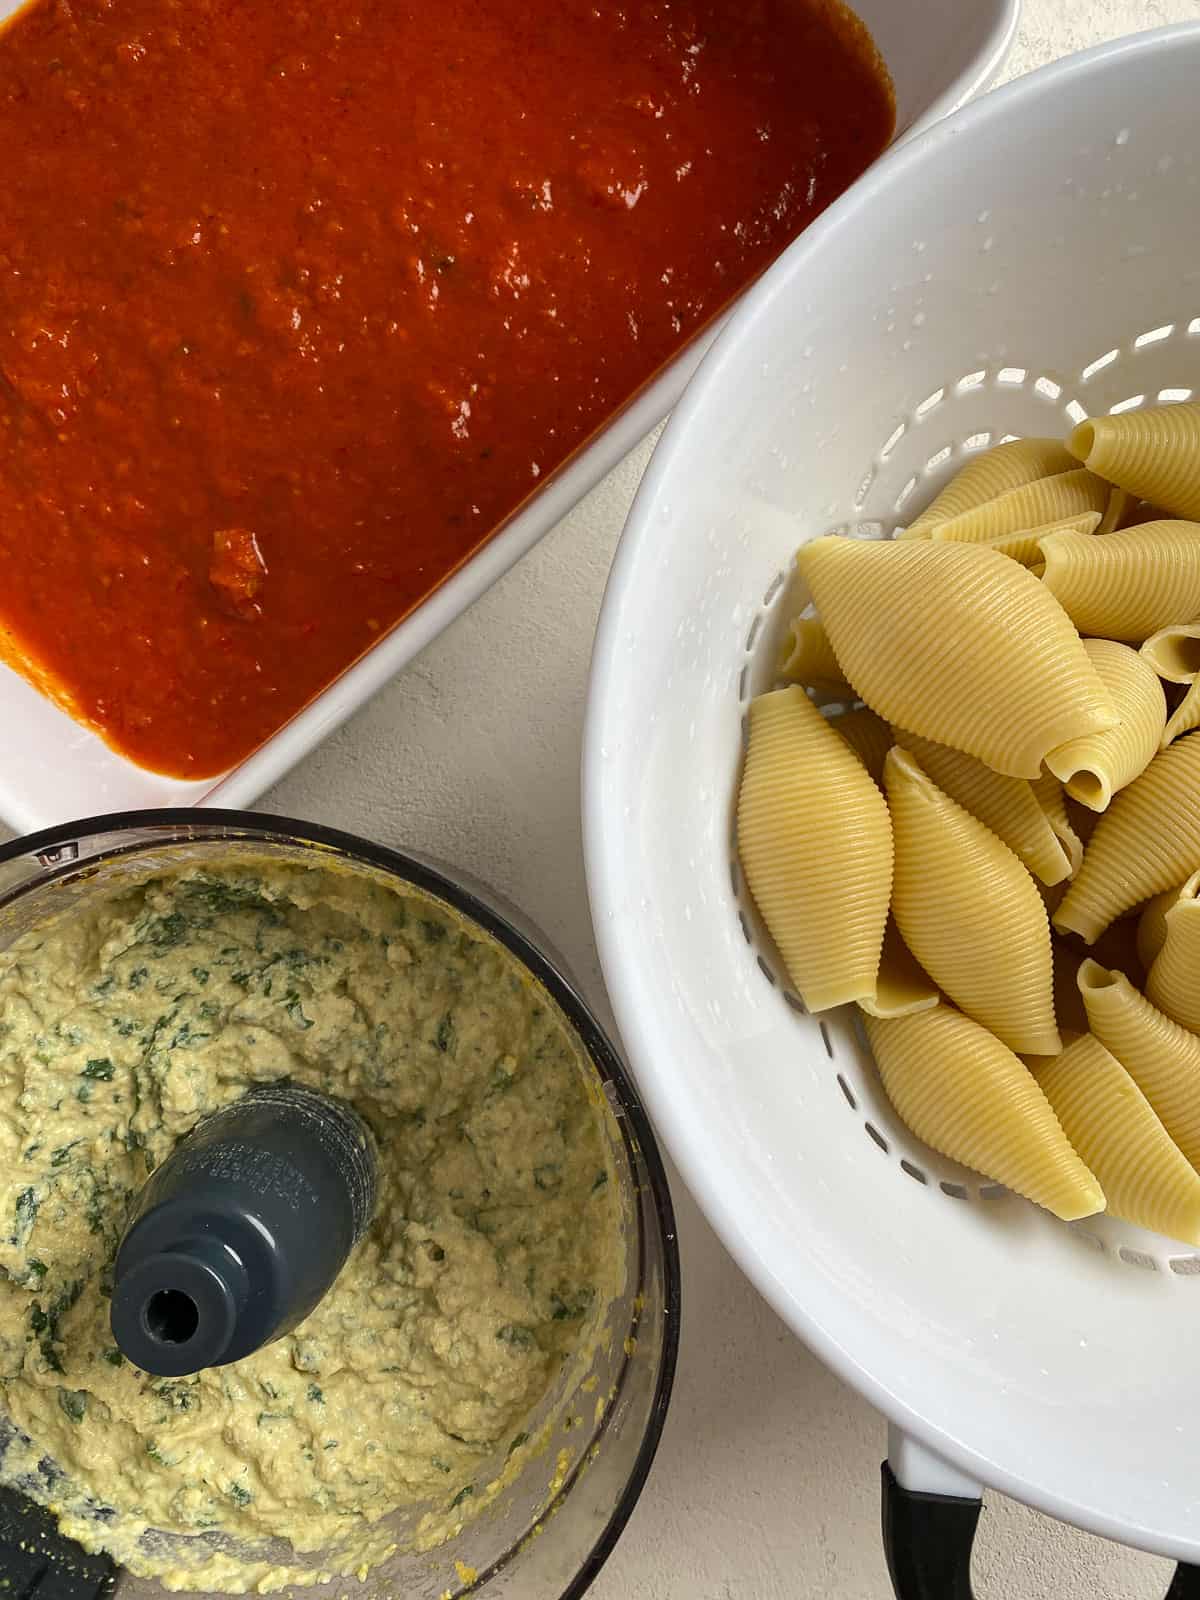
(939, 52)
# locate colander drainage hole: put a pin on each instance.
(874, 1134)
(764, 968)
(826, 1040)
(913, 1172)
(1185, 1266)
(1138, 1258)
(848, 1092)
(956, 1191)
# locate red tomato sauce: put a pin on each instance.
(299, 303)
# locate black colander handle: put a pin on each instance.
(927, 1539)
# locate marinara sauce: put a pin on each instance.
(299, 303)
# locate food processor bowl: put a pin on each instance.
(549, 1526)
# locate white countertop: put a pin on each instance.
(766, 1484)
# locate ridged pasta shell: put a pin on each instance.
(1162, 1058)
(969, 1097)
(1025, 546)
(969, 911)
(902, 987)
(1116, 1132)
(1152, 926)
(1173, 981)
(1152, 453)
(868, 736)
(1008, 806)
(992, 473)
(1184, 718)
(1174, 652)
(1126, 585)
(815, 844)
(1094, 768)
(958, 644)
(1047, 500)
(808, 657)
(1147, 840)
(1052, 797)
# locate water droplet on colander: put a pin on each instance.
(984, 216)
(1122, 136)
(919, 319)
(988, 243)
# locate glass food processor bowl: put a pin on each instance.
(549, 1528)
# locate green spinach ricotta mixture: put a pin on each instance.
(494, 1249)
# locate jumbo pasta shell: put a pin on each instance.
(1046, 500)
(1126, 585)
(1147, 840)
(969, 912)
(1092, 769)
(1173, 981)
(1152, 453)
(959, 644)
(1145, 1177)
(969, 1097)
(815, 844)
(989, 474)
(1025, 546)
(1162, 1058)
(1008, 806)
(1174, 652)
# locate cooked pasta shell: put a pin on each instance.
(969, 911)
(1152, 453)
(868, 736)
(815, 844)
(808, 657)
(1174, 652)
(1184, 718)
(1025, 546)
(1162, 1058)
(1094, 768)
(1008, 806)
(958, 644)
(1152, 926)
(1052, 797)
(1147, 840)
(1173, 982)
(1127, 585)
(969, 1097)
(992, 473)
(902, 988)
(1145, 1177)
(1067, 494)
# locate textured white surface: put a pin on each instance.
(767, 1481)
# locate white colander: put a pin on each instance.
(1032, 260)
